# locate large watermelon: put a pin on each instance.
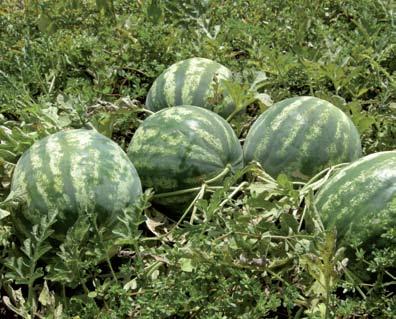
(181, 147)
(74, 172)
(360, 200)
(195, 81)
(301, 136)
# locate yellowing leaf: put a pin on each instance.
(3, 213)
(46, 298)
(186, 265)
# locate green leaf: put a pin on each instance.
(45, 24)
(7, 156)
(19, 270)
(106, 7)
(154, 11)
(365, 123)
(261, 202)
(288, 222)
(284, 182)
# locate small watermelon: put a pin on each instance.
(195, 81)
(73, 172)
(181, 147)
(360, 200)
(300, 136)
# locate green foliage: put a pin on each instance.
(252, 248)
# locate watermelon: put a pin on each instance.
(301, 136)
(360, 200)
(180, 148)
(195, 81)
(73, 172)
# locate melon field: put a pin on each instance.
(197, 159)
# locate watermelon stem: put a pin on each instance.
(352, 278)
(199, 196)
(147, 111)
(234, 192)
(226, 170)
(175, 193)
(105, 249)
(319, 179)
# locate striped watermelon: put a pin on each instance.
(192, 82)
(360, 200)
(301, 136)
(74, 172)
(181, 147)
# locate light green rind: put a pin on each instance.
(301, 136)
(74, 172)
(360, 200)
(179, 148)
(191, 82)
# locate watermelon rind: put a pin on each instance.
(360, 201)
(195, 81)
(301, 136)
(182, 147)
(73, 172)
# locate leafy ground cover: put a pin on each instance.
(255, 248)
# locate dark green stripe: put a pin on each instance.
(350, 145)
(71, 212)
(275, 163)
(196, 139)
(192, 169)
(181, 81)
(177, 157)
(165, 165)
(222, 129)
(341, 143)
(229, 138)
(207, 77)
(355, 147)
(318, 155)
(103, 187)
(127, 178)
(252, 138)
(334, 185)
(170, 126)
(149, 100)
(160, 100)
(369, 206)
(260, 131)
(45, 156)
(37, 205)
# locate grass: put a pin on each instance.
(255, 248)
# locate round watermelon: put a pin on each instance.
(180, 148)
(73, 172)
(360, 200)
(300, 136)
(195, 81)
